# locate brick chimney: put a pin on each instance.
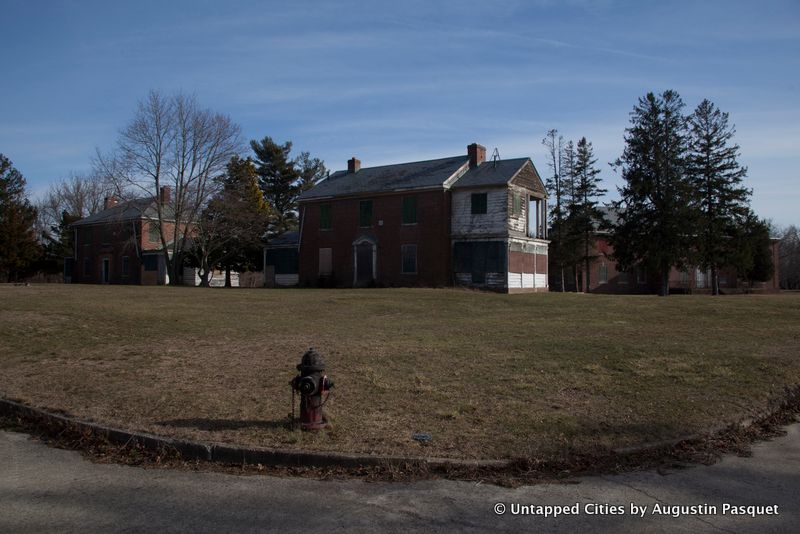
(476, 153)
(353, 165)
(110, 202)
(165, 195)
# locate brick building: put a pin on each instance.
(460, 220)
(606, 277)
(122, 243)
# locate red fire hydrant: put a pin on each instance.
(312, 384)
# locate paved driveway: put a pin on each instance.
(44, 489)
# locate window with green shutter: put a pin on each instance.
(325, 220)
(365, 213)
(478, 203)
(409, 210)
(409, 255)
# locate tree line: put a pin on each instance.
(682, 202)
(224, 201)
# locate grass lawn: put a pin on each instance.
(490, 376)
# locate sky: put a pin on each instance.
(400, 81)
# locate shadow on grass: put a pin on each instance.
(226, 424)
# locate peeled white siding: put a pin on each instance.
(527, 280)
(514, 280)
(493, 222)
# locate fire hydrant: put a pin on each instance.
(312, 384)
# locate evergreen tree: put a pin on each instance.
(555, 151)
(655, 220)
(751, 253)
(721, 200)
(19, 247)
(311, 171)
(584, 214)
(58, 243)
(278, 179)
(231, 226)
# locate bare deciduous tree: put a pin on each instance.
(79, 195)
(173, 142)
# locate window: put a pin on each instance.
(325, 261)
(409, 254)
(478, 203)
(106, 234)
(603, 273)
(325, 222)
(150, 262)
(154, 234)
(641, 275)
(87, 266)
(622, 277)
(409, 210)
(516, 204)
(126, 263)
(365, 213)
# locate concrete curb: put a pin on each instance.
(235, 454)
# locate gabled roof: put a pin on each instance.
(491, 173)
(138, 208)
(386, 178)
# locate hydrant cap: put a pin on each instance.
(311, 362)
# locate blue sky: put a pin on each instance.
(400, 81)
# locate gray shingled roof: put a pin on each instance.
(417, 174)
(283, 240)
(124, 211)
(491, 173)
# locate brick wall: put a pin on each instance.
(430, 234)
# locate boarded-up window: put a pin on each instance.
(409, 253)
(126, 265)
(150, 262)
(603, 273)
(409, 210)
(325, 261)
(325, 220)
(478, 203)
(284, 260)
(479, 258)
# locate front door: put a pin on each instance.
(364, 265)
(106, 270)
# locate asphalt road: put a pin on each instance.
(48, 490)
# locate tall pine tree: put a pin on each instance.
(584, 214)
(655, 219)
(721, 200)
(278, 178)
(19, 247)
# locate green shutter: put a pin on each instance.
(365, 213)
(409, 210)
(325, 222)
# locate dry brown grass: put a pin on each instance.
(490, 376)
